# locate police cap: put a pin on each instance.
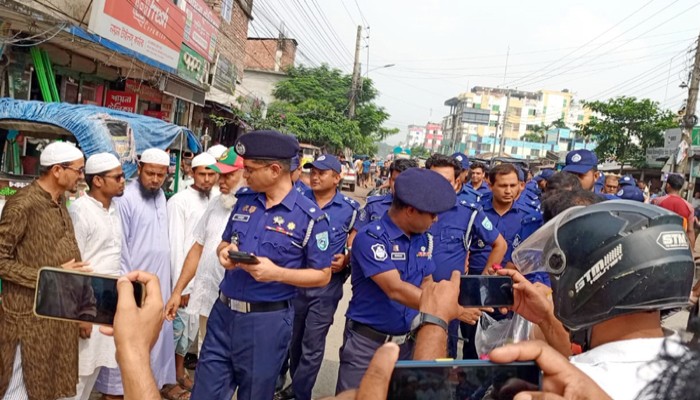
(463, 160)
(411, 187)
(267, 145)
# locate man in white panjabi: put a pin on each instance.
(99, 234)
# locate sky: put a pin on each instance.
(441, 48)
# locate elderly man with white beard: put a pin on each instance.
(202, 258)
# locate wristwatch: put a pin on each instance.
(425, 318)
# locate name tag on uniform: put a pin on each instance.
(241, 217)
(398, 256)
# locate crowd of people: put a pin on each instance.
(591, 274)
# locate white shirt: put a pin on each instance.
(210, 273)
(99, 235)
(184, 211)
(624, 368)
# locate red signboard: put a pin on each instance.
(145, 92)
(154, 28)
(122, 101)
(165, 116)
(201, 28)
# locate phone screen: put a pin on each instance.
(462, 380)
(76, 296)
(486, 291)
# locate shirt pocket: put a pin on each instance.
(452, 239)
(280, 246)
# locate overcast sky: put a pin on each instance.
(596, 49)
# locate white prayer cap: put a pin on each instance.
(204, 159)
(217, 150)
(59, 153)
(101, 162)
(155, 156)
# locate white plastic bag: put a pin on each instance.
(491, 333)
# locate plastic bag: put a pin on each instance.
(492, 333)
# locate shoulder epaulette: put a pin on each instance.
(245, 190)
(375, 230)
(353, 203)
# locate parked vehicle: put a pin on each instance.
(349, 177)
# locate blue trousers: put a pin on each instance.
(242, 351)
(313, 316)
(356, 353)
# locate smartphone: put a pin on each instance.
(486, 291)
(242, 257)
(462, 379)
(78, 296)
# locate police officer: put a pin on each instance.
(466, 193)
(390, 259)
(540, 181)
(297, 172)
(377, 206)
(314, 308)
(477, 174)
(250, 327)
(583, 163)
(514, 221)
(453, 232)
(527, 197)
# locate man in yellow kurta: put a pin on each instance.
(38, 357)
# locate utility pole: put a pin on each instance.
(689, 117)
(355, 75)
(505, 122)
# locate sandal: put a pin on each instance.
(185, 382)
(175, 392)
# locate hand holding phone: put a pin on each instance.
(241, 257)
(486, 291)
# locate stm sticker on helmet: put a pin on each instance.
(600, 268)
(672, 240)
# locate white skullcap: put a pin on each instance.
(204, 159)
(155, 156)
(217, 150)
(101, 162)
(59, 153)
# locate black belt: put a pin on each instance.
(246, 307)
(373, 334)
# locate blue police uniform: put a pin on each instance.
(314, 308)
(453, 232)
(533, 188)
(516, 225)
(529, 201)
(301, 187)
(470, 195)
(483, 188)
(373, 318)
(250, 326)
(374, 209)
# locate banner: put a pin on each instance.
(192, 66)
(163, 115)
(122, 101)
(201, 28)
(145, 92)
(225, 75)
(154, 28)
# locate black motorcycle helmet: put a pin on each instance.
(610, 259)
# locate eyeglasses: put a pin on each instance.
(250, 171)
(80, 170)
(117, 178)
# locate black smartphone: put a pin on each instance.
(462, 379)
(486, 291)
(78, 296)
(242, 257)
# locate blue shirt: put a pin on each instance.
(529, 201)
(516, 225)
(365, 166)
(380, 247)
(341, 213)
(469, 195)
(483, 188)
(374, 209)
(533, 188)
(451, 240)
(280, 233)
(301, 187)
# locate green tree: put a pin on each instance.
(624, 127)
(312, 103)
(420, 152)
(536, 133)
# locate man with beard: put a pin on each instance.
(38, 357)
(99, 235)
(202, 260)
(145, 246)
(185, 209)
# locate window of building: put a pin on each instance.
(492, 123)
(535, 152)
(544, 110)
(496, 108)
(532, 112)
(513, 150)
(579, 118)
(226, 9)
(477, 105)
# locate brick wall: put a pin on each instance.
(262, 53)
(233, 35)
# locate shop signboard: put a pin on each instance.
(153, 28)
(145, 92)
(165, 116)
(225, 75)
(122, 101)
(192, 66)
(201, 28)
